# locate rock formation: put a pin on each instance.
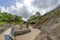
(49, 24)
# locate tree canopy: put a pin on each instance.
(34, 18)
(5, 17)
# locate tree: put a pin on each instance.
(38, 13)
(9, 18)
(34, 18)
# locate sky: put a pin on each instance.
(27, 8)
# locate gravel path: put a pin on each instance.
(29, 36)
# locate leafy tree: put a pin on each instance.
(38, 13)
(6, 17)
(17, 19)
(34, 18)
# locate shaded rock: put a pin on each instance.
(43, 36)
(16, 33)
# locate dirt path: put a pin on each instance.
(2, 35)
(29, 36)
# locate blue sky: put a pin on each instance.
(26, 8)
(7, 3)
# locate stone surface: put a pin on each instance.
(49, 24)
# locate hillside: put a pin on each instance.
(32, 20)
(49, 24)
(49, 18)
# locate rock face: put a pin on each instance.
(43, 36)
(49, 24)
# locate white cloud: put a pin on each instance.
(3, 9)
(28, 4)
(20, 9)
(20, 1)
(59, 2)
(25, 12)
(19, 5)
(44, 5)
(11, 9)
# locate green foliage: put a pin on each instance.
(34, 18)
(17, 20)
(5, 17)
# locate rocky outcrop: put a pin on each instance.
(16, 33)
(49, 24)
(21, 29)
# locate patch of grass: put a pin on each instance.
(3, 23)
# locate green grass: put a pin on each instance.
(3, 23)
